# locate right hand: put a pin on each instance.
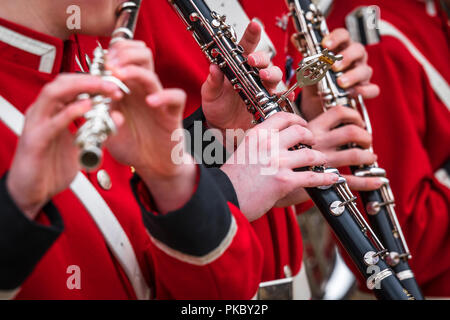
(269, 180)
(341, 126)
(46, 159)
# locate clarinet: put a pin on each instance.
(379, 204)
(336, 202)
(99, 125)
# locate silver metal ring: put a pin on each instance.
(377, 278)
(406, 274)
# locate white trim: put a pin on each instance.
(112, 231)
(202, 260)
(9, 295)
(106, 221)
(437, 82)
(443, 177)
(46, 51)
(11, 117)
(431, 8)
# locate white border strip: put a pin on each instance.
(46, 51)
(203, 260)
(438, 83)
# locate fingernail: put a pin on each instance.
(264, 74)
(380, 182)
(343, 81)
(254, 60)
(337, 66)
(118, 94)
(153, 99)
(121, 72)
(327, 42)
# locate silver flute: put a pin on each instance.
(379, 204)
(99, 124)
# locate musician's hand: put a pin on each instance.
(356, 73)
(330, 137)
(149, 117)
(262, 167)
(46, 159)
(222, 106)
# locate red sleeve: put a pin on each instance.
(205, 250)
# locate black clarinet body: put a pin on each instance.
(218, 41)
(379, 204)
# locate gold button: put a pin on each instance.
(104, 180)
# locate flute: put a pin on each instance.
(99, 125)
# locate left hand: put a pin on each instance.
(149, 116)
(356, 73)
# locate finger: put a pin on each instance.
(118, 118)
(294, 135)
(213, 86)
(359, 74)
(141, 56)
(309, 179)
(64, 118)
(259, 59)
(148, 79)
(62, 91)
(336, 39)
(118, 46)
(304, 158)
(271, 77)
(355, 53)
(363, 184)
(290, 96)
(350, 157)
(251, 37)
(280, 121)
(336, 116)
(367, 91)
(345, 135)
(173, 99)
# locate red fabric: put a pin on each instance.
(412, 132)
(82, 244)
(180, 63)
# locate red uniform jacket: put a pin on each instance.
(172, 260)
(411, 128)
(180, 63)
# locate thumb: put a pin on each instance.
(214, 84)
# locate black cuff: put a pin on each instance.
(23, 242)
(225, 185)
(214, 150)
(196, 229)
